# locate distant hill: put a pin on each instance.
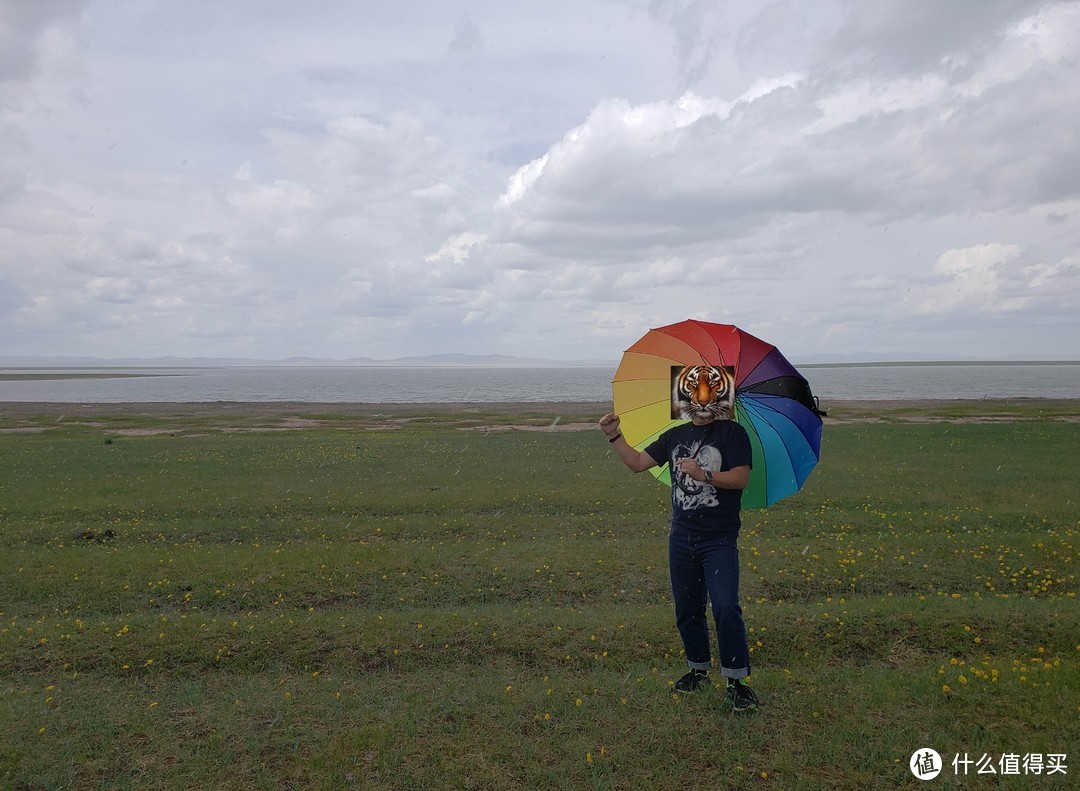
(459, 360)
(491, 360)
(463, 360)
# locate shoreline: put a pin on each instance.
(578, 413)
(256, 408)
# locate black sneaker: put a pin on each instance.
(695, 679)
(741, 697)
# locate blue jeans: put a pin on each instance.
(706, 568)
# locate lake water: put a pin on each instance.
(470, 385)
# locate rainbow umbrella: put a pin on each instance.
(772, 401)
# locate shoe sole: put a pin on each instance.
(702, 683)
(698, 688)
(740, 709)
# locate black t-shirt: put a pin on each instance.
(718, 446)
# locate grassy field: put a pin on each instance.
(402, 598)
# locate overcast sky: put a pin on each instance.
(269, 178)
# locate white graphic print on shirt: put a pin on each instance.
(689, 495)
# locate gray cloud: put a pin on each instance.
(695, 27)
(467, 37)
(386, 180)
(915, 36)
(24, 25)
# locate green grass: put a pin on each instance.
(348, 606)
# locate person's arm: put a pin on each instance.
(636, 461)
(735, 478)
(737, 450)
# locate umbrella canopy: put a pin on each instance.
(772, 400)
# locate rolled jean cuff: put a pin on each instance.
(700, 665)
(739, 672)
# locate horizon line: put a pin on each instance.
(433, 360)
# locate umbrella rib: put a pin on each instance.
(798, 448)
(712, 340)
(645, 406)
(748, 407)
(697, 351)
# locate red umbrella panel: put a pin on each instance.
(691, 367)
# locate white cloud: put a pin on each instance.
(879, 284)
(521, 181)
(281, 197)
(435, 192)
(867, 98)
(994, 279)
(456, 249)
(1042, 39)
(979, 277)
(122, 290)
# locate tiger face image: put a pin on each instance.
(702, 391)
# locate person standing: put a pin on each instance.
(710, 461)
